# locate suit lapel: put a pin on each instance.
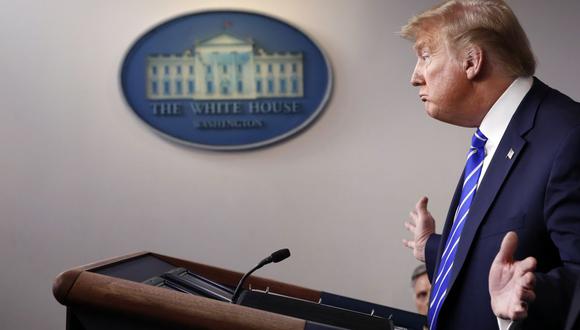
(508, 151)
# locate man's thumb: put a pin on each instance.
(422, 204)
(508, 247)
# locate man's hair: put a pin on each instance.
(419, 270)
(490, 24)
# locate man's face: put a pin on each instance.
(422, 289)
(443, 84)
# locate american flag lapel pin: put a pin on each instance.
(510, 153)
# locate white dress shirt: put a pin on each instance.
(496, 120)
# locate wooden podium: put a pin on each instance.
(109, 295)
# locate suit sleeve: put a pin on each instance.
(431, 254)
(562, 216)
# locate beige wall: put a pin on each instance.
(84, 179)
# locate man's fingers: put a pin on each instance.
(410, 226)
(519, 313)
(527, 265)
(507, 248)
(528, 281)
(409, 244)
(519, 308)
(528, 296)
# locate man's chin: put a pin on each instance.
(449, 119)
(440, 116)
(431, 112)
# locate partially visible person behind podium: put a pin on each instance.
(421, 288)
(475, 69)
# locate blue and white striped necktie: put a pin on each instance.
(471, 177)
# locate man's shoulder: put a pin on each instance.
(556, 109)
(556, 100)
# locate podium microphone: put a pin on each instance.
(274, 257)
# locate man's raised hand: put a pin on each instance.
(511, 282)
(421, 224)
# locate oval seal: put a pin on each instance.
(226, 80)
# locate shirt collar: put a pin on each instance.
(498, 117)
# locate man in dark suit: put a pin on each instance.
(522, 173)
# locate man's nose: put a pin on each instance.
(416, 77)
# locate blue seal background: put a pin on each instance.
(179, 34)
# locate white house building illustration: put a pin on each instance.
(224, 68)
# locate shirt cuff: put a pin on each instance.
(504, 324)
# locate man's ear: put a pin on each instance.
(473, 60)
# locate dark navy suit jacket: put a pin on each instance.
(573, 320)
(536, 193)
